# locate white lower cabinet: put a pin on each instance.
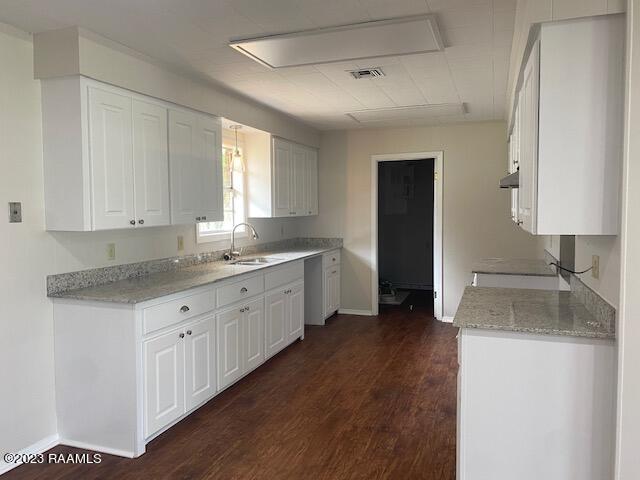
(240, 340)
(331, 290)
(284, 317)
(179, 372)
(140, 368)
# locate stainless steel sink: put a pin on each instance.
(256, 261)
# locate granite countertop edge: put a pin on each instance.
(539, 331)
(85, 294)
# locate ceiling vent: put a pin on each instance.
(379, 38)
(367, 73)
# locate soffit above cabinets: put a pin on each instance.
(380, 38)
(193, 36)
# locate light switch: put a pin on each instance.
(180, 243)
(15, 212)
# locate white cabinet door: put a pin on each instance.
(276, 314)
(210, 132)
(312, 182)
(200, 371)
(230, 350)
(111, 157)
(331, 289)
(528, 157)
(151, 164)
(185, 166)
(281, 178)
(295, 324)
(298, 180)
(254, 335)
(164, 380)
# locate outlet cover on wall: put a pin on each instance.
(595, 266)
(180, 243)
(111, 251)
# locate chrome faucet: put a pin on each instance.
(232, 253)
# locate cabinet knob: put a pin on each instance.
(243, 290)
(198, 219)
(204, 218)
(181, 335)
(184, 309)
(292, 213)
(189, 332)
(246, 309)
(141, 221)
(242, 310)
(335, 271)
(132, 222)
(333, 259)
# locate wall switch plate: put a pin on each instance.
(15, 212)
(111, 251)
(595, 266)
(180, 243)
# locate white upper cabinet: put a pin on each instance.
(108, 154)
(283, 177)
(569, 128)
(111, 159)
(151, 164)
(195, 156)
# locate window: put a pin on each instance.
(233, 200)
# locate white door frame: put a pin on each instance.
(437, 224)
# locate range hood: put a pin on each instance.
(511, 181)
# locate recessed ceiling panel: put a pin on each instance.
(418, 112)
(398, 36)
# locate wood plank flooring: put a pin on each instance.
(361, 398)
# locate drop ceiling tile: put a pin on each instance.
(328, 13)
(504, 20)
(469, 16)
(425, 61)
(381, 9)
(577, 8)
(478, 34)
(503, 38)
(404, 97)
(440, 90)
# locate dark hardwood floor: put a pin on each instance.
(361, 398)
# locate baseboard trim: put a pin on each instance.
(447, 319)
(34, 449)
(349, 311)
(97, 448)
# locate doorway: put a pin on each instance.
(407, 229)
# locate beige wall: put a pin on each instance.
(628, 425)
(26, 318)
(476, 212)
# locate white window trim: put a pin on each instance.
(225, 236)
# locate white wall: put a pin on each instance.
(30, 254)
(628, 425)
(26, 317)
(476, 212)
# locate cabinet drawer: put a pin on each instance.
(331, 258)
(169, 313)
(236, 291)
(281, 276)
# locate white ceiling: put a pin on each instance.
(192, 35)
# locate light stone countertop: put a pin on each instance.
(148, 287)
(544, 312)
(514, 266)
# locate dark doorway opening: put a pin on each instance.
(405, 230)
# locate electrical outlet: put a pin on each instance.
(111, 251)
(595, 266)
(180, 243)
(15, 212)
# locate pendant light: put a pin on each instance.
(237, 156)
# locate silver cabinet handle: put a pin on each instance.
(132, 222)
(189, 332)
(243, 290)
(184, 309)
(181, 335)
(141, 221)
